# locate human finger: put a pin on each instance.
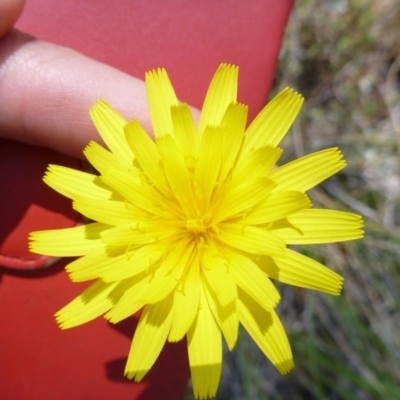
(9, 13)
(46, 92)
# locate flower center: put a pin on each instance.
(200, 227)
(196, 226)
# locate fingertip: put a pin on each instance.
(49, 91)
(10, 10)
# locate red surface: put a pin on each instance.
(190, 38)
(27, 204)
(39, 361)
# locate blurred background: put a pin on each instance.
(344, 57)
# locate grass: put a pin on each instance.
(344, 56)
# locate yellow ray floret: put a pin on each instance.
(160, 97)
(318, 226)
(186, 301)
(273, 122)
(110, 124)
(150, 336)
(307, 172)
(221, 93)
(192, 226)
(90, 304)
(205, 351)
(69, 242)
(72, 183)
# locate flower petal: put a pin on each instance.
(251, 239)
(150, 336)
(71, 183)
(308, 171)
(267, 331)
(250, 278)
(185, 133)
(133, 262)
(95, 263)
(102, 159)
(234, 124)
(176, 172)
(139, 233)
(221, 92)
(146, 154)
(258, 163)
(161, 97)
(90, 304)
(167, 276)
(205, 351)
(216, 271)
(110, 124)
(69, 242)
(127, 297)
(298, 270)
(273, 122)
(226, 316)
(241, 198)
(114, 263)
(318, 226)
(109, 212)
(133, 190)
(278, 205)
(186, 302)
(208, 166)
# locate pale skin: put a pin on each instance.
(46, 90)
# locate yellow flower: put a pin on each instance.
(192, 226)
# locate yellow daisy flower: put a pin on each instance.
(192, 226)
